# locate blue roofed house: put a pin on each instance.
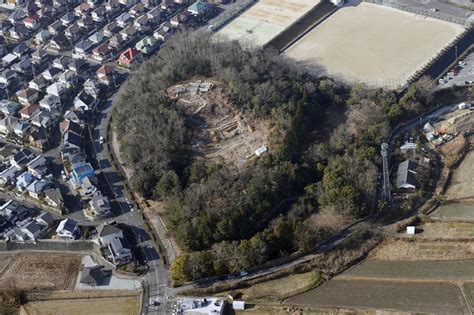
(37, 188)
(24, 180)
(199, 8)
(81, 171)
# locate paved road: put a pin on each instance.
(157, 277)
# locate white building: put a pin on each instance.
(67, 230)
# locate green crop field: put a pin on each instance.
(458, 211)
(462, 270)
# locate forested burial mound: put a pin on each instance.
(232, 212)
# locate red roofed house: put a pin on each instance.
(129, 57)
(29, 111)
(104, 74)
(31, 22)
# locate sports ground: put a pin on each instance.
(266, 19)
(374, 44)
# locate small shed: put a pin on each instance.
(411, 230)
(261, 151)
(238, 305)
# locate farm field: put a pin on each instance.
(386, 295)
(374, 44)
(447, 230)
(455, 211)
(462, 182)
(397, 250)
(458, 270)
(266, 19)
(116, 306)
(44, 271)
(4, 261)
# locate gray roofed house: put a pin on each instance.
(32, 230)
(61, 62)
(99, 205)
(54, 198)
(38, 166)
(45, 218)
(8, 107)
(67, 229)
(92, 275)
(108, 229)
(406, 174)
(21, 49)
(37, 188)
(72, 140)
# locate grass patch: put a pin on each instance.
(455, 211)
(448, 230)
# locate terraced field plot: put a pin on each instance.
(386, 295)
(461, 270)
(405, 250)
(116, 306)
(455, 211)
(448, 230)
(462, 182)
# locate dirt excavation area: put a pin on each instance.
(220, 131)
(374, 44)
(40, 271)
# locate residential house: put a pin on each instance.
(99, 14)
(107, 233)
(163, 32)
(38, 83)
(81, 171)
(9, 108)
(56, 28)
(8, 76)
(8, 175)
(38, 167)
(99, 206)
(21, 50)
(37, 188)
(32, 230)
(24, 180)
(102, 52)
(112, 5)
(147, 45)
(73, 32)
(117, 41)
(42, 119)
(73, 156)
(54, 198)
(130, 33)
(75, 116)
(84, 101)
(180, 18)
(137, 10)
(57, 89)
(200, 8)
(72, 140)
(39, 56)
(29, 111)
(32, 22)
(67, 230)
(105, 74)
(151, 3)
(17, 16)
(7, 123)
(23, 66)
(45, 219)
(93, 275)
(21, 129)
(69, 78)
(38, 138)
(5, 27)
(129, 57)
(9, 59)
(142, 23)
(27, 96)
(83, 48)
(111, 29)
(77, 65)
(68, 125)
(97, 38)
(119, 251)
(154, 15)
(21, 158)
(51, 73)
(68, 18)
(86, 23)
(83, 9)
(19, 32)
(61, 62)
(42, 37)
(124, 19)
(59, 42)
(45, 13)
(166, 4)
(93, 88)
(50, 102)
(406, 174)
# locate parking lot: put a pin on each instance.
(463, 77)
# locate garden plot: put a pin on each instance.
(373, 44)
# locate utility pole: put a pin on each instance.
(386, 194)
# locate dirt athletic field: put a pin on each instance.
(266, 19)
(374, 44)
